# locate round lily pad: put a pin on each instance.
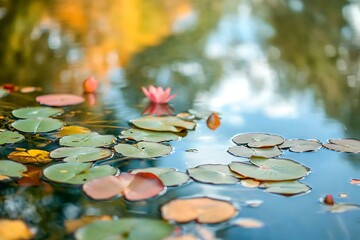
(91, 139)
(143, 150)
(287, 188)
(36, 112)
(270, 169)
(163, 124)
(11, 169)
(213, 173)
(30, 156)
(59, 100)
(125, 228)
(8, 137)
(246, 152)
(37, 125)
(169, 176)
(149, 136)
(344, 145)
(301, 145)
(258, 140)
(77, 173)
(81, 154)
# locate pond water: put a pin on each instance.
(289, 68)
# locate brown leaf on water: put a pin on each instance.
(74, 224)
(213, 121)
(31, 177)
(30, 156)
(14, 230)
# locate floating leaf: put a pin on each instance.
(133, 187)
(242, 151)
(301, 145)
(71, 130)
(31, 177)
(80, 154)
(59, 100)
(8, 137)
(355, 181)
(287, 188)
(213, 121)
(200, 113)
(213, 173)
(125, 228)
(30, 156)
(11, 169)
(258, 140)
(91, 139)
(248, 223)
(250, 183)
(169, 176)
(143, 150)
(344, 145)
(270, 169)
(203, 210)
(14, 230)
(36, 112)
(166, 124)
(74, 224)
(254, 203)
(37, 125)
(342, 207)
(77, 173)
(149, 136)
(30, 89)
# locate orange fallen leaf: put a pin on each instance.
(30, 156)
(355, 181)
(31, 177)
(14, 230)
(213, 121)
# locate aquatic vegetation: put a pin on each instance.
(158, 94)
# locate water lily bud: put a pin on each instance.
(329, 200)
(90, 85)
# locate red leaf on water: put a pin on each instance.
(213, 121)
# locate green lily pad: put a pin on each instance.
(169, 176)
(301, 145)
(36, 112)
(125, 228)
(287, 188)
(80, 154)
(8, 137)
(258, 140)
(91, 139)
(77, 173)
(11, 169)
(242, 151)
(163, 124)
(214, 173)
(37, 125)
(344, 145)
(143, 150)
(270, 169)
(149, 136)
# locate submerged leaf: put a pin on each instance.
(258, 140)
(344, 145)
(77, 173)
(270, 169)
(342, 207)
(74, 224)
(169, 176)
(301, 145)
(242, 151)
(202, 209)
(11, 169)
(37, 125)
(36, 112)
(287, 188)
(166, 124)
(149, 136)
(8, 137)
(30, 156)
(81, 154)
(213, 121)
(213, 173)
(125, 228)
(14, 230)
(31, 177)
(143, 150)
(91, 139)
(59, 100)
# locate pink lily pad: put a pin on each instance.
(58, 100)
(133, 187)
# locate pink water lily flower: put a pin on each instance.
(158, 95)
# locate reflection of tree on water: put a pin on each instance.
(309, 38)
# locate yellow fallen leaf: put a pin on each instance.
(70, 130)
(14, 230)
(30, 156)
(4, 178)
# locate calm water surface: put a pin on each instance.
(284, 67)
